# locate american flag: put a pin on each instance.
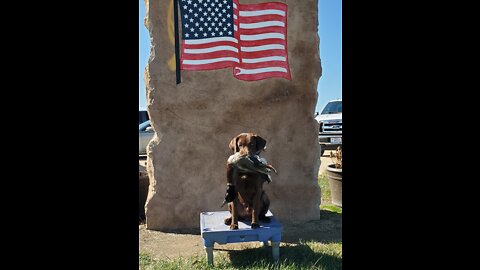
(252, 39)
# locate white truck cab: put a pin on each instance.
(330, 120)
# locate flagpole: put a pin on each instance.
(177, 42)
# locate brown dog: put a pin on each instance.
(249, 202)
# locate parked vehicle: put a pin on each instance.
(145, 134)
(330, 120)
(142, 115)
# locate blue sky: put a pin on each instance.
(329, 30)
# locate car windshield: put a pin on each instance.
(144, 125)
(142, 116)
(333, 107)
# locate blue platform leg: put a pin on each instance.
(209, 251)
(276, 250)
(276, 246)
(208, 245)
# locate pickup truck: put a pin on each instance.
(330, 120)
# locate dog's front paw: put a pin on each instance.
(228, 221)
(233, 226)
(255, 225)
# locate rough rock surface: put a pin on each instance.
(195, 121)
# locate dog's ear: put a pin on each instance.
(260, 143)
(234, 144)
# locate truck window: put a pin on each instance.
(142, 116)
(333, 107)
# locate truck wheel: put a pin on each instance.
(321, 151)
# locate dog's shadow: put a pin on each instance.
(301, 256)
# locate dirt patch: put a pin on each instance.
(168, 245)
(162, 245)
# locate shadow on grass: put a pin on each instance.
(326, 230)
(296, 257)
(328, 214)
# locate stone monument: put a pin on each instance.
(196, 119)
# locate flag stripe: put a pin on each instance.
(262, 12)
(254, 43)
(282, 64)
(264, 30)
(264, 59)
(260, 70)
(260, 54)
(212, 66)
(261, 24)
(263, 18)
(212, 49)
(263, 48)
(263, 6)
(211, 60)
(262, 36)
(210, 40)
(208, 45)
(263, 76)
(210, 55)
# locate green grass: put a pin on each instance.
(325, 189)
(331, 208)
(309, 255)
(326, 201)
